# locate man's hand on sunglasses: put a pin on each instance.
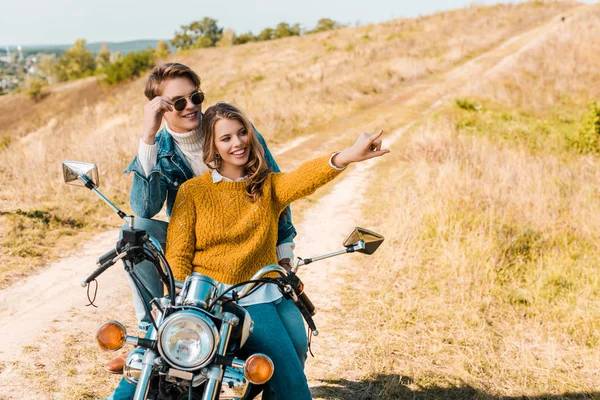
(153, 114)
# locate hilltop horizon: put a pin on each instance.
(65, 23)
(67, 45)
(124, 47)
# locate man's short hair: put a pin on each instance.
(166, 71)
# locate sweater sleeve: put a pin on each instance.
(303, 181)
(181, 236)
(148, 156)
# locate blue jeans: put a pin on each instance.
(279, 333)
(146, 272)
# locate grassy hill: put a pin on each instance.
(487, 286)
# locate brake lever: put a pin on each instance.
(307, 317)
(289, 292)
(103, 268)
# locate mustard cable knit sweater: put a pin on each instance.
(217, 231)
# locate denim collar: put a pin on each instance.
(165, 144)
(166, 149)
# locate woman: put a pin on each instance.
(224, 225)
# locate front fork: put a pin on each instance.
(215, 372)
(143, 385)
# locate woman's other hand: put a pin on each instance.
(286, 263)
(153, 114)
(367, 146)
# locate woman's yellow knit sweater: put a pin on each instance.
(215, 229)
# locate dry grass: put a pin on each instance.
(489, 269)
(487, 286)
(21, 115)
(560, 72)
(299, 85)
(67, 363)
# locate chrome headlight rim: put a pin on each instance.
(194, 317)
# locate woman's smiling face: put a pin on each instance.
(189, 118)
(231, 141)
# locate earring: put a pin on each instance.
(217, 155)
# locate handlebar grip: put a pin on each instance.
(98, 271)
(310, 307)
(107, 256)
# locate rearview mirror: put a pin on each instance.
(371, 240)
(73, 169)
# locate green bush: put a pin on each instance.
(244, 38)
(585, 140)
(326, 24)
(35, 89)
(198, 35)
(75, 63)
(130, 66)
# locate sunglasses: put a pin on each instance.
(196, 98)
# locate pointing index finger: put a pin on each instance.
(376, 135)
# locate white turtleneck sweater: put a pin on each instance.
(190, 144)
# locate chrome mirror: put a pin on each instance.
(77, 172)
(370, 239)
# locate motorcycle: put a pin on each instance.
(194, 349)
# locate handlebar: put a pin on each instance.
(97, 272)
(107, 260)
(295, 291)
(109, 255)
(258, 275)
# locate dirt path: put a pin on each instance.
(41, 308)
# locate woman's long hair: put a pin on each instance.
(256, 167)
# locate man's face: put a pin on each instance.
(189, 118)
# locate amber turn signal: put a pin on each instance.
(258, 369)
(111, 335)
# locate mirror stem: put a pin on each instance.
(90, 185)
(350, 249)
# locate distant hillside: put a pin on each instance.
(123, 47)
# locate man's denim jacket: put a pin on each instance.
(148, 194)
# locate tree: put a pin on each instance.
(116, 56)
(265, 34)
(296, 30)
(226, 38)
(103, 57)
(47, 65)
(162, 50)
(129, 66)
(326, 24)
(283, 29)
(198, 34)
(202, 42)
(77, 62)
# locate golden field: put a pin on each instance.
(487, 284)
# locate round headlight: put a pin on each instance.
(188, 340)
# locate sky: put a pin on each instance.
(32, 22)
